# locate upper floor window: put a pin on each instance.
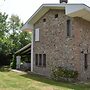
(37, 34)
(68, 27)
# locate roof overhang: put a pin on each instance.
(26, 49)
(27, 27)
(72, 10)
(82, 11)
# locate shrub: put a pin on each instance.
(4, 69)
(62, 73)
(13, 63)
(4, 59)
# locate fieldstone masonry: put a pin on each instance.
(61, 50)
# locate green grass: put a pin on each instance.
(20, 81)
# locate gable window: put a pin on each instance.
(44, 20)
(40, 60)
(37, 34)
(85, 61)
(56, 15)
(68, 27)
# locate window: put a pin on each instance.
(44, 60)
(68, 27)
(36, 59)
(44, 20)
(37, 34)
(56, 15)
(40, 60)
(85, 61)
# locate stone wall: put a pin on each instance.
(61, 50)
(82, 40)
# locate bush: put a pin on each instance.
(5, 69)
(4, 59)
(13, 64)
(62, 73)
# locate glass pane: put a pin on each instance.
(44, 60)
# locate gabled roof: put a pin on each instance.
(72, 10)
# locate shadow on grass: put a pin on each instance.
(4, 69)
(73, 86)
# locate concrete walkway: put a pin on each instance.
(18, 71)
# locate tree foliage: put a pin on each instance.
(11, 37)
(18, 38)
(3, 31)
(3, 24)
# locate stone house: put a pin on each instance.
(60, 37)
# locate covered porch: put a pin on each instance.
(23, 58)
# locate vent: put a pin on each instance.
(63, 1)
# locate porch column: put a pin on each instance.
(18, 60)
(32, 53)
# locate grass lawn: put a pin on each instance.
(21, 81)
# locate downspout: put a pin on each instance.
(32, 53)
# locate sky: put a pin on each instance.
(26, 8)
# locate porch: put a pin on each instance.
(23, 58)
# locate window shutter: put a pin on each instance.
(37, 34)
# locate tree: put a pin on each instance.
(18, 38)
(11, 37)
(3, 24)
(3, 31)
(15, 23)
(14, 30)
(4, 43)
(24, 38)
(14, 26)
